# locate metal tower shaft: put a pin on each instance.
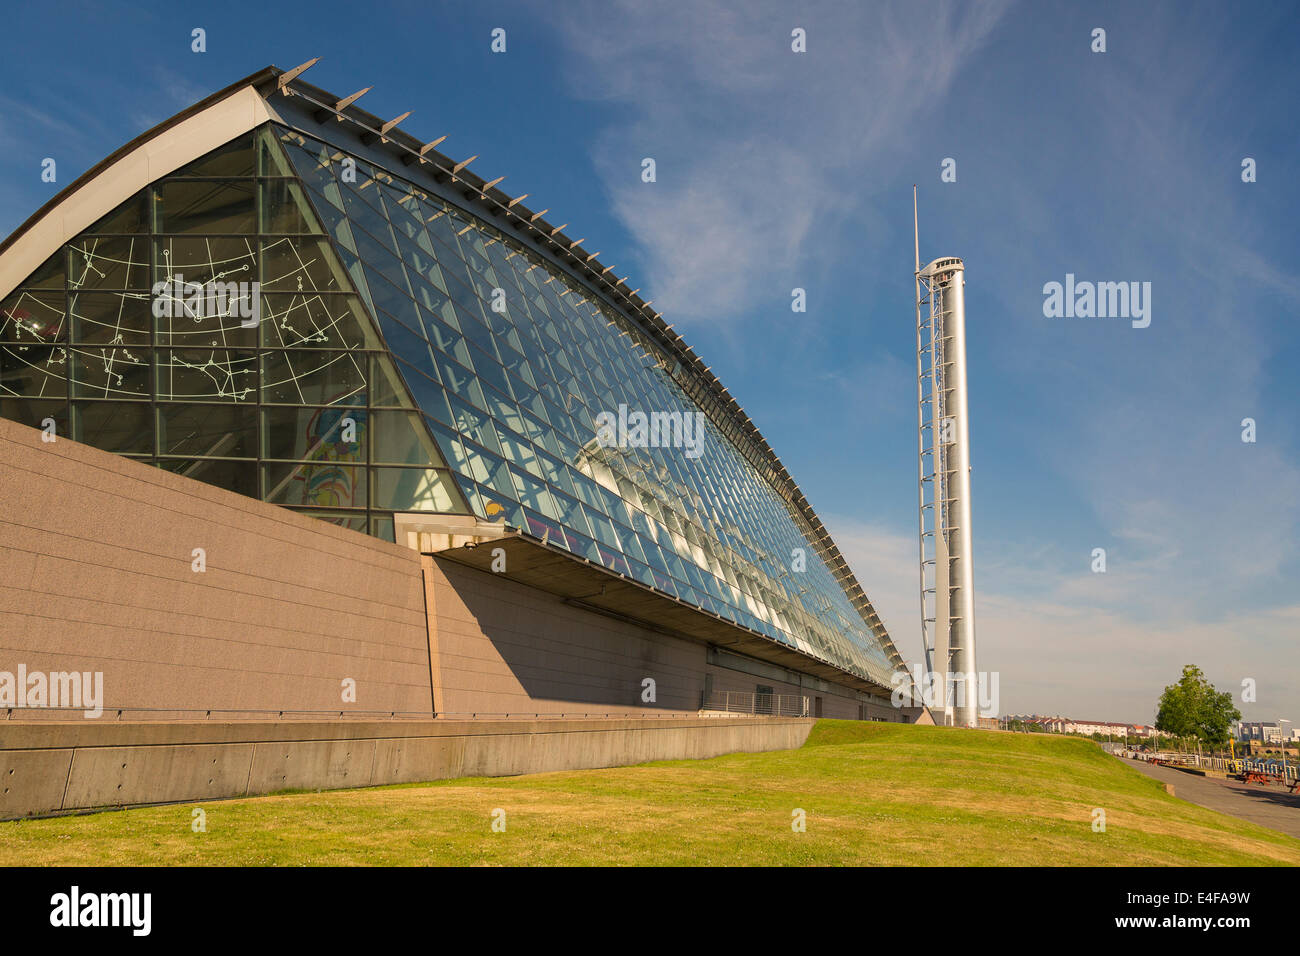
(944, 496)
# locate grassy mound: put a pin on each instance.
(871, 794)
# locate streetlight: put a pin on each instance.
(1280, 722)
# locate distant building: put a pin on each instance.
(1066, 725)
(1264, 731)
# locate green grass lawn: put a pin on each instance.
(872, 794)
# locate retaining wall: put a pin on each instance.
(52, 767)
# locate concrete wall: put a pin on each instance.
(505, 648)
(96, 574)
(838, 702)
(48, 767)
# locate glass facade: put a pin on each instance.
(467, 372)
(146, 337)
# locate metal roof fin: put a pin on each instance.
(289, 77)
(384, 130)
(347, 101)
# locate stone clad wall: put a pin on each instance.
(96, 575)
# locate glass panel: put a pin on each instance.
(98, 263)
(271, 160)
(206, 314)
(316, 321)
(519, 452)
(109, 372)
(214, 374)
(207, 206)
(413, 489)
(571, 513)
(203, 259)
(119, 427)
(490, 471)
(33, 413)
(33, 318)
(49, 277)
(428, 394)
(324, 484)
(129, 218)
(388, 298)
(434, 405)
(400, 438)
(448, 341)
(301, 265)
(461, 383)
(111, 318)
(327, 204)
(405, 343)
(284, 208)
(386, 386)
(220, 431)
(314, 377)
(237, 476)
(233, 159)
(533, 494)
(369, 228)
(313, 161)
(337, 434)
(32, 371)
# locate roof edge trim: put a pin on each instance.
(167, 147)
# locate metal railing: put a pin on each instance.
(1271, 766)
(768, 705)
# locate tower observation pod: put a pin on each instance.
(944, 498)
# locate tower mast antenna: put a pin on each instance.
(943, 487)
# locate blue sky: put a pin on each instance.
(778, 170)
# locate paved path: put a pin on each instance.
(1269, 806)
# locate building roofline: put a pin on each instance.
(695, 378)
(588, 270)
(254, 80)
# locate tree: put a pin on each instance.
(1193, 708)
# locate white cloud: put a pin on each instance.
(763, 153)
(757, 146)
(1083, 654)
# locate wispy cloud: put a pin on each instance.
(1074, 647)
(1117, 167)
(756, 146)
(171, 93)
